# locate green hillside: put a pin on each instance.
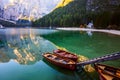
(79, 12)
(70, 15)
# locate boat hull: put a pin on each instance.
(61, 62)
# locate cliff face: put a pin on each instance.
(27, 9)
(102, 5)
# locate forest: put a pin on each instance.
(75, 14)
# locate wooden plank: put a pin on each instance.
(108, 57)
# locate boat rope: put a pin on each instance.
(108, 57)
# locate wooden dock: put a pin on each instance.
(108, 57)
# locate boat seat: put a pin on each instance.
(49, 56)
(57, 58)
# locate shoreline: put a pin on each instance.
(116, 32)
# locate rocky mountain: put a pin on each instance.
(102, 5)
(27, 9)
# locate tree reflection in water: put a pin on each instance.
(65, 74)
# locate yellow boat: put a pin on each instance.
(107, 72)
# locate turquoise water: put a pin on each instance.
(21, 52)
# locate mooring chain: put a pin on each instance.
(101, 59)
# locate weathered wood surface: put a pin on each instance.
(108, 57)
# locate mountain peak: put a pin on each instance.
(32, 9)
(63, 3)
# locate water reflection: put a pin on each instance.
(23, 45)
(89, 33)
(65, 74)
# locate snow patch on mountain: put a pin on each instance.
(27, 9)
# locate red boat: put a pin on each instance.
(66, 54)
(62, 62)
(107, 72)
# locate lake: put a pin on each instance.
(21, 52)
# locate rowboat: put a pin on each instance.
(65, 54)
(62, 62)
(107, 72)
(72, 65)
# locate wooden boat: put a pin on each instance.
(72, 65)
(107, 72)
(62, 62)
(65, 54)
